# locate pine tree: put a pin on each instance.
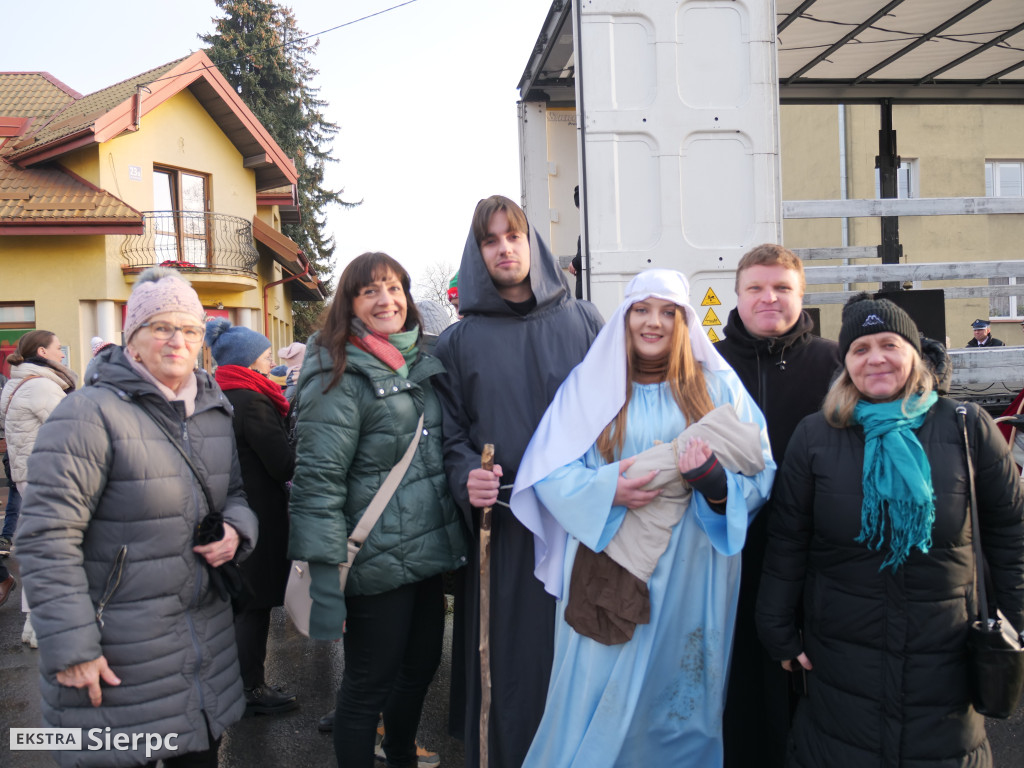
(259, 49)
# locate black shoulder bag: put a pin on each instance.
(227, 580)
(994, 648)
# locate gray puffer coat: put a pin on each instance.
(105, 546)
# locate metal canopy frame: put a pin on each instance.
(903, 51)
(852, 52)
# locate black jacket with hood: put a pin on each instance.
(787, 376)
(503, 369)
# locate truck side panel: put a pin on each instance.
(680, 124)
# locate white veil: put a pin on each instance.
(589, 398)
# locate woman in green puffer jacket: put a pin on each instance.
(363, 387)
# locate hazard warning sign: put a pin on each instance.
(710, 299)
(711, 318)
(712, 336)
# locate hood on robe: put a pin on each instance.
(478, 295)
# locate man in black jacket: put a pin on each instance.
(521, 334)
(787, 370)
(983, 335)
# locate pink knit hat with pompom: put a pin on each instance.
(160, 289)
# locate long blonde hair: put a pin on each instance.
(843, 395)
(685, 377)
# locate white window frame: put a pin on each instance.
(993, 171)
(1006, 307)
(18, 314)
(907, 185)
(1010, 307)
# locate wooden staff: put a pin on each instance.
(486, 462)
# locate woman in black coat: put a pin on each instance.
(267, 460)
(871, 534)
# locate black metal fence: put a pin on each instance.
(187, 240)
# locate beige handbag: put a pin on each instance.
(297, 600)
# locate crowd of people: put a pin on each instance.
(754, 552)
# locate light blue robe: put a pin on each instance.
(656, 700)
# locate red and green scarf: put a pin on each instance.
(382, 348)
(239, 377)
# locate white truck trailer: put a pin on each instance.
(666, 114)
(676, 151)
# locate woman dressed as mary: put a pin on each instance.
(639, 485)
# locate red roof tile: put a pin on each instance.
(41, 119)
(33, 94)
(81, 114)
(32, 197)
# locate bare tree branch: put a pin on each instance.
(433, 285)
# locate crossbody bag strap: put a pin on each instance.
(211, 507)
(979, 577)
(15, 391)
(381, 498)
(1013, 430)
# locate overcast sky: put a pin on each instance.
(425, 96)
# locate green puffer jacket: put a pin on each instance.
(348, 441)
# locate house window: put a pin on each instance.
(906, 181)
(17, 315)
(1004, 179)
(180, 202)
(16, 319)
(1008, 307)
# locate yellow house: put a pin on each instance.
(167, 167)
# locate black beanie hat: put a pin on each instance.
(864, 315)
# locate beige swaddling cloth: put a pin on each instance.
(645, 532)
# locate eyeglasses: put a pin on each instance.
(164, 331)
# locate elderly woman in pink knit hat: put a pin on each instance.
(129, 542)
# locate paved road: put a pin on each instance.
(314, 670)
(309, 667)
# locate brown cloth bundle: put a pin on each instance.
(608, 593)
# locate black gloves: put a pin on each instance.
(710, 479)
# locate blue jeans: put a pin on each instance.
(13, 505)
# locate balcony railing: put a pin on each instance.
(191, 241)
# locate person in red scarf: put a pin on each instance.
(267, 460)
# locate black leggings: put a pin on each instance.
(392, 650)
(251, 631)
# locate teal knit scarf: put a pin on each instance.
(899, 501)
